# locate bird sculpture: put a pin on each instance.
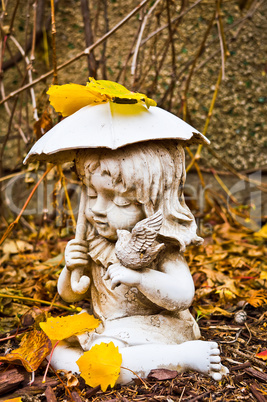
(137, 249)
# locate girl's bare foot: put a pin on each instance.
(203, 357)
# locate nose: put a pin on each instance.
(100, 206)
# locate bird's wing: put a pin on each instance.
(153, 222)
(144, 233)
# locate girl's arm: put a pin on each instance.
(171, 287)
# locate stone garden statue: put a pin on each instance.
(132, 230)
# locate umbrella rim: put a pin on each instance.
(193, 136)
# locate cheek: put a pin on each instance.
(125, 218)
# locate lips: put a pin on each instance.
(100, 223)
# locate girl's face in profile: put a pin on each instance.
(108, 208)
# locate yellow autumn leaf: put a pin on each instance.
(117, 92)
(58, 328)
(101, 365)
(13, 400)
(256, 297)
(67, 99)
(33, 349)
(262, 232)
(208, 310)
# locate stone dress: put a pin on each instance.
(127, 317)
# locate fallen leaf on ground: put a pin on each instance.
(101, 365)
(16, 246)
(72, 380)
(58, 328)
(162, 374)
(207, 310)
(262, 232)
(33, 349)
(262, 355)
(13, 400)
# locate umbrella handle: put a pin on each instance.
(78, 281)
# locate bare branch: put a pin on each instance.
(172, 21)
(34, 30)
(103, 56)
(39, 34)
(134, 61)
(92, 64)
(35, 114)
(79, 55)
(54, 31)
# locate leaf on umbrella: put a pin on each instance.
(33, 349)
(58, 328)
(68, 98)
(118, 93)
(262, 355)
(101, 365)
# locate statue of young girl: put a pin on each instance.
(144, 311)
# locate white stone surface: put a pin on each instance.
(111, 125)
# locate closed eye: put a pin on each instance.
(91, 192)
(121, 201)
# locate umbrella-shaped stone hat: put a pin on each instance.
(111, 125)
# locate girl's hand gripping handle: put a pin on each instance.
(80, 282)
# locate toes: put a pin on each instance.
(215, 352)
(216, 376)
(224, 370)
(215, 359)
(214, 349)
(215, 367)
(214, 345)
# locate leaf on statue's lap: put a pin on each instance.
(101, 365)
(59, 328)
(33, 349)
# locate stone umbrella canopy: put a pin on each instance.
(111, 125)
(108, 125)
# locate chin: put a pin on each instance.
(108, 236)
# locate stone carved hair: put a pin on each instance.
(155, 171)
